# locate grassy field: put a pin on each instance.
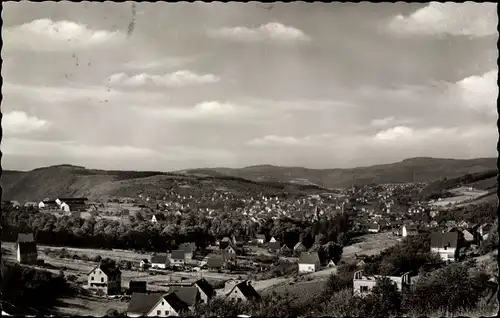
(370, 244)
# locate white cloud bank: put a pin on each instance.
(48, 35)
(177, 79)
(275, 32)
(479, 93)
(274, 140)
(468, 19)
(18, 122)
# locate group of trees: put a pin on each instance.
(326, 236)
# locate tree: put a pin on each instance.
(384, 299)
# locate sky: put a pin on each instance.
(170, 86)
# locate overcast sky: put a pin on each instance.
(184, 85)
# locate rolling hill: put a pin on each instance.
(67, 180)
(408, 170)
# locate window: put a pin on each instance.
(91, 277)
(102, 279)
(239, 299)
(158, 312)
(363, 289)
(166, 313)
(162, 303)
(445, 248)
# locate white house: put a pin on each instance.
(308, 262)
(159, 261)
(155, 305)
(445, 244)
(272, 240)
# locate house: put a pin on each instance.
(159, 261)
(224, 242)
(373, 228)
(105, 277)
(362, 285)
(155, 304)
(206, 290)
(136, 286)
(331, 264)
(308, 262)
(468, 236)
(144, 264)
(272, 240)
(188, 294)
(483, 230)
(189, 249)
(158, 218)
(285, 250)
(215, 262)
(274, 247)
(26, 249)
(409, 230)
(260, 238)
(230, 248)
(445, 244)
(177, 258)
(243, 292)
(299, 248)
(76, 204)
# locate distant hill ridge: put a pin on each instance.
(71, 180)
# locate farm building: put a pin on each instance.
(107, 278)
(243, 292)
(155, 304)
(159, 261)
(445, 244)
(188, 294)
(189, 249)
(308, 262)
(177, 258)
(26, 249)
(362, 285)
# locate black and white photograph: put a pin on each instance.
(258, 159)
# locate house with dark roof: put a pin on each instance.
(285, 250)
(26, 249)
(206, 290)
(243, 292)
(189, 249)
(155, 304)
(159, 261)
(158, 218)
(445, 244)
(274, 247)
(260, 238)
(299, 248)
(144, 264)
(177, 258)
(107, 278)
(309, 262)
(188, 294)
(215, 262)
(409, 230)
(373, 227)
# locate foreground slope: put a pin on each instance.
(409, 170)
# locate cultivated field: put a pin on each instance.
(370, 244)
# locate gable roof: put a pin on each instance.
(205, 287)
(142, 303)
(299, 245)
(308, 258)
(214, 261)
(247, 290)
(175, 302)
(187, 294)
(159, 217)
(25, 237)
(260, 236)
(158, 259)
(178, 255)
(107, 269)
(187, 247)
(448, 239)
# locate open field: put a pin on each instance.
(370, 244)
(84, 305)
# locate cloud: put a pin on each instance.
(168, 62)
(177, 79)
(48, 35)
(207, 110)
(274, 140)
(18, 122)
(394, 133)
(479, 92)
(275, 32)
(68, 94)
(469, 19)
(382, 121)
(27, 147)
